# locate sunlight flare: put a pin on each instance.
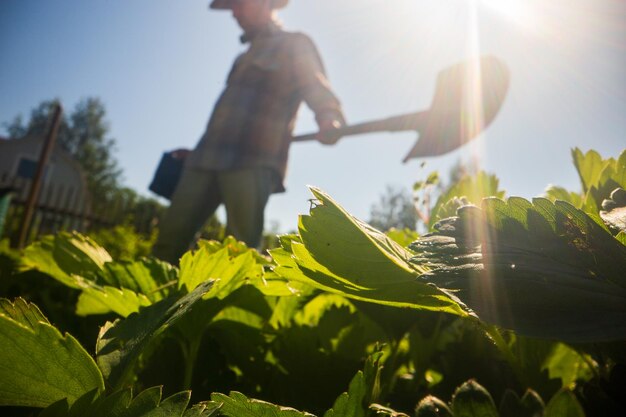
(520, 12)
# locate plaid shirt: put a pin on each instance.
(253, 120)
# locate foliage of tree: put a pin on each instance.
(400, 210)
(395, 209)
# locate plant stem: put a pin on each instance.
(505, 350)
(190, 353)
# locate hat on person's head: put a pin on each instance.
(228, 4)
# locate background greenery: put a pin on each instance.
(342, 319)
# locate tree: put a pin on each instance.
(83, 134)
(398, 208)
(395, 209)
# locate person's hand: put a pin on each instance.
(329, 131)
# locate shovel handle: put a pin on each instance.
(405, 122)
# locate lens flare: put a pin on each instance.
(520, 12)
(485, 289)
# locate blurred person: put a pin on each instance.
(241, 158)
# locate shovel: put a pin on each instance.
(467, 98)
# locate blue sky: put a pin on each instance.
(159, 65)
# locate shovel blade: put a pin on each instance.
(468, 97)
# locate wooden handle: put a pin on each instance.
(411, 121)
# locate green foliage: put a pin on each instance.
(124, 242)
(598, 177)
(102, 300)
(403, 237)
(120, 343)
(79, 263)
(530, 405)
(232, 271)
(305, 328)
(71, 259)
(472, 400)
(432, 407)
(238, 405)
(394, 210)
(9, 261)
(564, 404)
(121, 404)
(516, 263)
(349, 404)
(568, 365)
(84, 134)
(362, 264)
(363, 390)
(40, 365)
(147, 276)
(470, 189)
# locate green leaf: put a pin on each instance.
(121, 404)
(313, 311)
(120, 343)
(231, 271)
(554, 193)
(425, 346)
(234, 247)
(69, 258)
(79, 408)
(303, 268)
(590, 167)
(403, 237)
(530, 405)
(372, 372)
(381, 410)
(472, 400)
(103, 300)
(469, 189)
(564, 404)
(432, 407)
(568, 365)
(204, 409)
(364, 389)
(78, 262)
(352, 248)
(27, 314)
(543, 269)
(433, 178)
(342, 255)
(148, 276)
(598, 177)
(40, 366)
(350, 404)
(238, 405)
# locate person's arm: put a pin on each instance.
(311, 81)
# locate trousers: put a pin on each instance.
(244, 193)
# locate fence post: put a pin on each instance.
(36, 184)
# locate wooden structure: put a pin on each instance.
(62, 202)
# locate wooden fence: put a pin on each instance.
(65, 208)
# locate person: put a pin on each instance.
(241, 158)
